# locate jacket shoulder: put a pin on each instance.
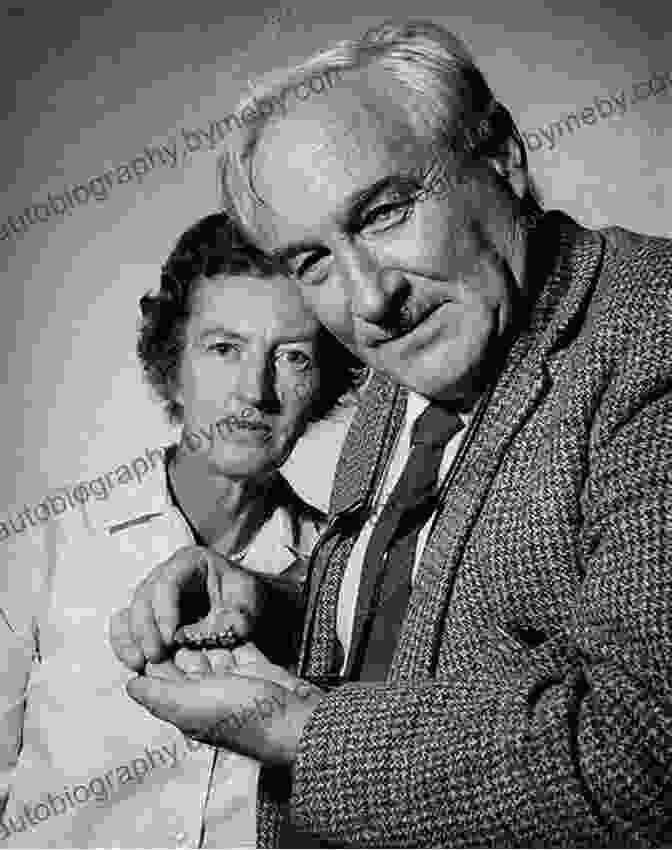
(637, 263)
(631, 306)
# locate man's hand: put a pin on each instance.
(177, 592)
(244, 703)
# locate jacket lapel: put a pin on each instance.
(361, 454)
(525, 379)
(363, 458)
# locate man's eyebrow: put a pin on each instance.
(288, 252)
(354, 204)
(362, 198)
(291, 339)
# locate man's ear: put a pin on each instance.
(510, 164)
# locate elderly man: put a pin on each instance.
(489, 614)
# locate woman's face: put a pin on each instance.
(249, 373)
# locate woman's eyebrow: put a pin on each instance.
(220, 330)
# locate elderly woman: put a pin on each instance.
(244, 368)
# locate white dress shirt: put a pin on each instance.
(95, 769)
(347, 601)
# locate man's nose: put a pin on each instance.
(256, 384)
(375, 291)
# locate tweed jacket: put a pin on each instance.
(529, 701)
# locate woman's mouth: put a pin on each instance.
(248, 428)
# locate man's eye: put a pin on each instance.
(312, 267)
(297, 360)
(387, 215)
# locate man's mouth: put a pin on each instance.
(407, 322)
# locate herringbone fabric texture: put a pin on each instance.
(530, 698)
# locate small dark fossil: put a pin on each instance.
(212, 632)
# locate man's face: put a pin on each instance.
(249, 371)
(418, 284)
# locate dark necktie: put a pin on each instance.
(385, 585)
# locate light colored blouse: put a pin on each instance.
(94, 769)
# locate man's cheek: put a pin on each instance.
(477, 315)
(465, 331)
(303, 390)
(491, 300)
(330, 302)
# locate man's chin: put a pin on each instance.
(446, 368)
(448, 385)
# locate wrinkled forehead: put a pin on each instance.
(309, 164)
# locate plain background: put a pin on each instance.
(85, 88)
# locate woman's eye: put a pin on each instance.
(224, 349)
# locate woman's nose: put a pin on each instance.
(256, 382)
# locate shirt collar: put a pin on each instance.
(290, 531)
(417, 403)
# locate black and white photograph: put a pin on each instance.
(337, 435)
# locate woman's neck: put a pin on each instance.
(225, 512)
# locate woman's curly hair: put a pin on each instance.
(211, 247)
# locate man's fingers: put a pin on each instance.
(166, 604)
(232, 711)
(253, 663)
(221, 660)
(164, 698)
(144, 629)
(123, 643)
(181, 569)
(249, 654)
(193, 661)
(205, 662)
(188, 704)
(165, 670)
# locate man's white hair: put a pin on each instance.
(450, 105)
